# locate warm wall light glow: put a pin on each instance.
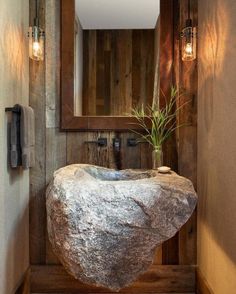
(36, 48)
(37, 51)
(189, 44)
(36, 43)
(189, 49)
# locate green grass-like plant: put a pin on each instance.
(158, 123)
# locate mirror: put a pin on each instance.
(114, 56)
(113, 66)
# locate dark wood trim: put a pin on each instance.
(202, 285)
(67, 62)
(159, 279)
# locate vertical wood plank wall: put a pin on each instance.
(185, 74)
(169, 248)
(122, 64)
(55, 149)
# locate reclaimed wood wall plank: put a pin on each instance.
(169, 248)
(55, 150)
(38, 173)
(100, 74)
(85, 90)
(187, 136)
(146, 156)
(107, 75)
(147, 66)
(77, 150)
(156, 91)
(136, 68)
(130, 156)
(97, 155)
(92, 82)
(55, 159)
(113, 163)
(52, 64)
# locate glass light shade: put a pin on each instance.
(189, 44)
(36, 43)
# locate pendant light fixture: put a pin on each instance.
(36, 38)
(189, 39)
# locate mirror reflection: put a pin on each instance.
(116, 56)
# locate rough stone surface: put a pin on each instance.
(104, 225)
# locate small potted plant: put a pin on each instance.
(158, 124)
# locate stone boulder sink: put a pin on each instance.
(105, 225)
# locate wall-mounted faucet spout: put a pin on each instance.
(117, 144)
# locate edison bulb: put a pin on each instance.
(36, 49)
(36, 44)
(189, 49)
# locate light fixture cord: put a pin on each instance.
(36, 9)
(189, 8)
(36, 19)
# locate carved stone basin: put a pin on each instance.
(105, 225)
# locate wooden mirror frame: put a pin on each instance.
(70, 122)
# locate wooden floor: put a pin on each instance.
(113, 293)
(161, 279)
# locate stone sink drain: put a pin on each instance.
(105, 225)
